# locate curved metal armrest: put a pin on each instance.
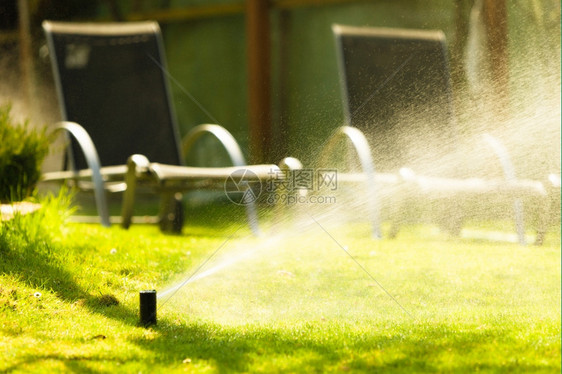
(234, 152)
(361, 147)
(91, 155)
(509, 174)
(223, 136)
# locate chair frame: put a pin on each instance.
(407, 183)
(138, 170)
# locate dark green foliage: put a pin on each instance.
(22, 151)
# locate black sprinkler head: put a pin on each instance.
(147, 307)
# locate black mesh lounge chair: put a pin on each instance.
(396, 89)
(112, 86)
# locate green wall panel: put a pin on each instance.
(208, 63)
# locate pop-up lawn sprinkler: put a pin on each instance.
(147, 307)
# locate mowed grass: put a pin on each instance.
(310, 298)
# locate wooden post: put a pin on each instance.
(458, 45)
(259, 79)
(496, 27)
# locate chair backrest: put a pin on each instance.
(111, 79)
(396, 88)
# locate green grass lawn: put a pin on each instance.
(292, 301)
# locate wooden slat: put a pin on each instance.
(108, 171)
(171, 172)
(435, 186)
(477, 186)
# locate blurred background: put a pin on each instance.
(267, 70)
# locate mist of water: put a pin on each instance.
(525, 119)
(529, 128)
(235, 253)
(292, 273)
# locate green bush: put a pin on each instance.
(22, 151)
(32, 234)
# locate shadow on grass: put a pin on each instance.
(324, 350)
(320, 348)
(36, 270)
(31, 256)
